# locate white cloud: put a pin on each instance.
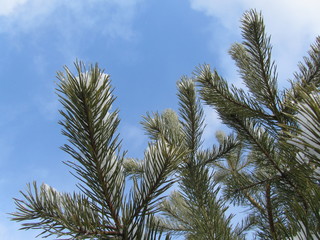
(224, 11)
(8, 6)
(110, 17)
(293, 25)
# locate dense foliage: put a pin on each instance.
(270, 164)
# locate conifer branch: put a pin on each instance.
(216, 93)
(262, 80)
(270, 212)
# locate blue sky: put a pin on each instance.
(145, 45)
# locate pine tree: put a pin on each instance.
(275, 169)
(270, 163)
(103, 209)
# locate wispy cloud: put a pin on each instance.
(9, 6)
(113, 18)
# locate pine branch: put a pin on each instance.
(308, 118)
(256, 67)
(161, 160)
(200, 207)
(60, 214)
(133, 167)
(257, 138)
(309, 70)
(215, 91)
(226, 146)
(192, 116)
(254, 202)
(163, 126)
(90, 128)
(177, 214)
